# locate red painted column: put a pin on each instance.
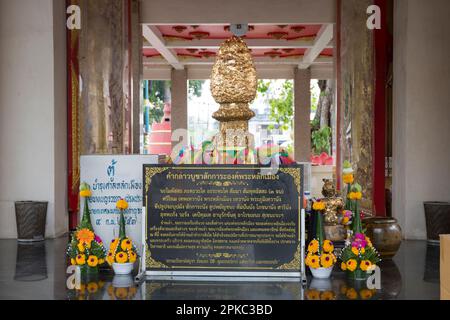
(338, 95)
(73, 177)
(381, 39)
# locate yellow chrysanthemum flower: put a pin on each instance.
(313, 246)
(351, 265)
(362, 250)
(126, 244)
(132, 256)
(365, 265)
(343, 266)
(80, 259)
(85, 193)
(314, 261)
(326, 260)
(85, 236)
(355, 251)
(80, 247)
(121, 257)
(348, 178)
(351, 195)
(358, 196)
(319, 205)
(122, 204)
(101, 261)
(328, 246)
(369, 243)
(110, 258)
(92, 261)
(114, 244)
(73, 262)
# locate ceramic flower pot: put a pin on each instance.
(122, 268)
(386, 235)
(321, 273)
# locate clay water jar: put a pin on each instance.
(385, 233)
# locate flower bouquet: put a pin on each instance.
(359, 257)
(85, 248)
(122, 253)
(320, 257)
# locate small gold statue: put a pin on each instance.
(333, 204)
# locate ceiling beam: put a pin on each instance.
(155, 38)
(238, 11)
(257, 60)
(251, 43)
(322, 40)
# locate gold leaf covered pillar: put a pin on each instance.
(233, 86)
(357, 94)
(104, 66)
(108, 88)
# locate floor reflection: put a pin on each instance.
(37, 271)
(31, 264)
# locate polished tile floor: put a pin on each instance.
(37, 271)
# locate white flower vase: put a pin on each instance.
(321, 273)
(123, 268)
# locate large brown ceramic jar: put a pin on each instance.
(385, 233)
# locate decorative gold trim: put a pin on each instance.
(150, 262)
(149, 173)
(295, 174)
(294, 264)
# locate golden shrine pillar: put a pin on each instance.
(233, 86)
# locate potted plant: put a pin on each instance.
(85, 248)
(122, 253)
(320, 257)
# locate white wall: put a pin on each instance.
(33, 111)
(421, 156)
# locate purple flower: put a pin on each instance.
(360, 236)
(97, 239)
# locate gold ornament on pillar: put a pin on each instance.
(233, 86)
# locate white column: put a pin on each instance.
(302, 110)
(33, 131)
